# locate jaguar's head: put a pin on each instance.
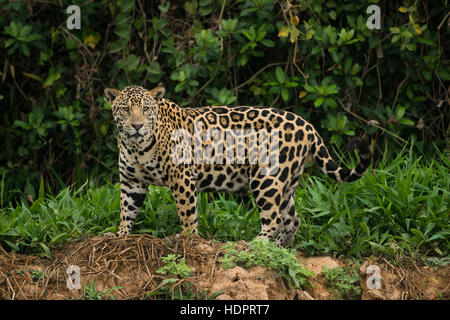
(134, 109)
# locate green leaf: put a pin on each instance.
(53, 75)
(41, 189)
(332, 14)
(128, 5)
(426, 74)
(444, 73)
(12, 245)
(318, 102)
(365, 228)
(373, 42)
(122, 30)
(46, 249)
(204, 11)
(395, 38)
(9, 42)
(407, 122)
(309, 88)
(118, 45)
(376, 246)
(250, 33)
(331, 103)
(279, 73)
(285, 94)
(164, 8)
(268, 43)
(400, 112)
(417, 233)
(316, 50)
(25, 49)
(191, 7)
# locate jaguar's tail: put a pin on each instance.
(332, 169)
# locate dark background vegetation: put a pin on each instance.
(313, 57)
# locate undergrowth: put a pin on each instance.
(176, 271)
(92, 293)
(266, 254)
(343, 282)
(400, 208)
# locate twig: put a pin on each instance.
(370, 123)
(220, 23)
(258, 72)
(213, 267)
(441, 292)
(443, 20)
(79, 41)
(398, 91)
(380, 93)
(295, 64)
(145, 31)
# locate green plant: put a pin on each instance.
(221, 97)
(175, 267)
(177, 270)
(37, 274)
(22, 37)
(399, 208)
(226, 219)
(322, 94)
(344, 282)
(53, 220)
(282, 84)
(267, 254)
(437, 261)
(92, 293)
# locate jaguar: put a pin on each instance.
(218, 148)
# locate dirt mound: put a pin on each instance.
(126, 268)
(404, 283)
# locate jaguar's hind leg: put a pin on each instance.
(268, 199)
(291, 222)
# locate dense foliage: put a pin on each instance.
(314, 57)
(399, 210)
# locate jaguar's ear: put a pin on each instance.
(158, 92)
(111, 94)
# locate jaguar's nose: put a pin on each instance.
(137, 126)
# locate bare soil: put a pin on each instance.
(125, 268)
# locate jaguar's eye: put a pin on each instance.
(146, 109)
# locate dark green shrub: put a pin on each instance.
(313, 57)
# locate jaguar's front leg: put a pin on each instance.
(132, 195)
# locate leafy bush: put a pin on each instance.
(175, 266)
(313, 57)
(267, 254)
(175, 269)
(344, 282)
